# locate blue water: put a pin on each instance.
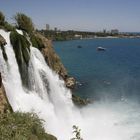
(113, 74)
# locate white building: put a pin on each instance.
(47, 27)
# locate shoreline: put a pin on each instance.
(108, 37)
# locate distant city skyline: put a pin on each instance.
(82, 15)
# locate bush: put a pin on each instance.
(24, 22)
(2, 18)
(4, 24)
(9, 27)
(36, 42)
(22, 126)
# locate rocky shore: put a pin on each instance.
(54, 61)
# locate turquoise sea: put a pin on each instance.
(113, 74)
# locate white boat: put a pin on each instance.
(101, 49)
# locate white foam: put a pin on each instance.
(51, 100)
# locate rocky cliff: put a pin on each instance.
(53, 60)
(2, 44)
(4, 104)
(21, 46)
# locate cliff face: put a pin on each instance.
(2, 44)
(4, 104)
(55, 64)
(54, 61)
(51, 57)
(2, 41)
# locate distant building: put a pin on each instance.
(47, 27)
(104, 31)
(55, 29)
(77, 36)
(114, 31)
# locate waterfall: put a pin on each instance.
(48, 97)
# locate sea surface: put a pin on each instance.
(113, 74)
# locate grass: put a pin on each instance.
(22, 126)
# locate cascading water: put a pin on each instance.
(51, 100)
(47, 95)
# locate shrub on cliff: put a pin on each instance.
(8, 27)
(4, 24)
(22, 126)
(2, 18)
(36, 42)
(24, 22)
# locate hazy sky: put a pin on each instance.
(91, 15)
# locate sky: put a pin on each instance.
(83, 15)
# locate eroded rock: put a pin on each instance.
(2, 41)
(70, 82)
(4, 104)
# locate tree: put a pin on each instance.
(2, 18)
(24, 23)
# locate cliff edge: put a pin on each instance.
(53, 60)
(4, 103)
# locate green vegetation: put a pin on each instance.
(24, 23)
(74, 35)
(2, 18)
(4, 24)
(79, 101)
(21, 48)
(22, 126)
(58, 36)
(9, 27)
(77, 133)
(36, 41)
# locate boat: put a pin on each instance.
(79, 46)
(101, 49)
